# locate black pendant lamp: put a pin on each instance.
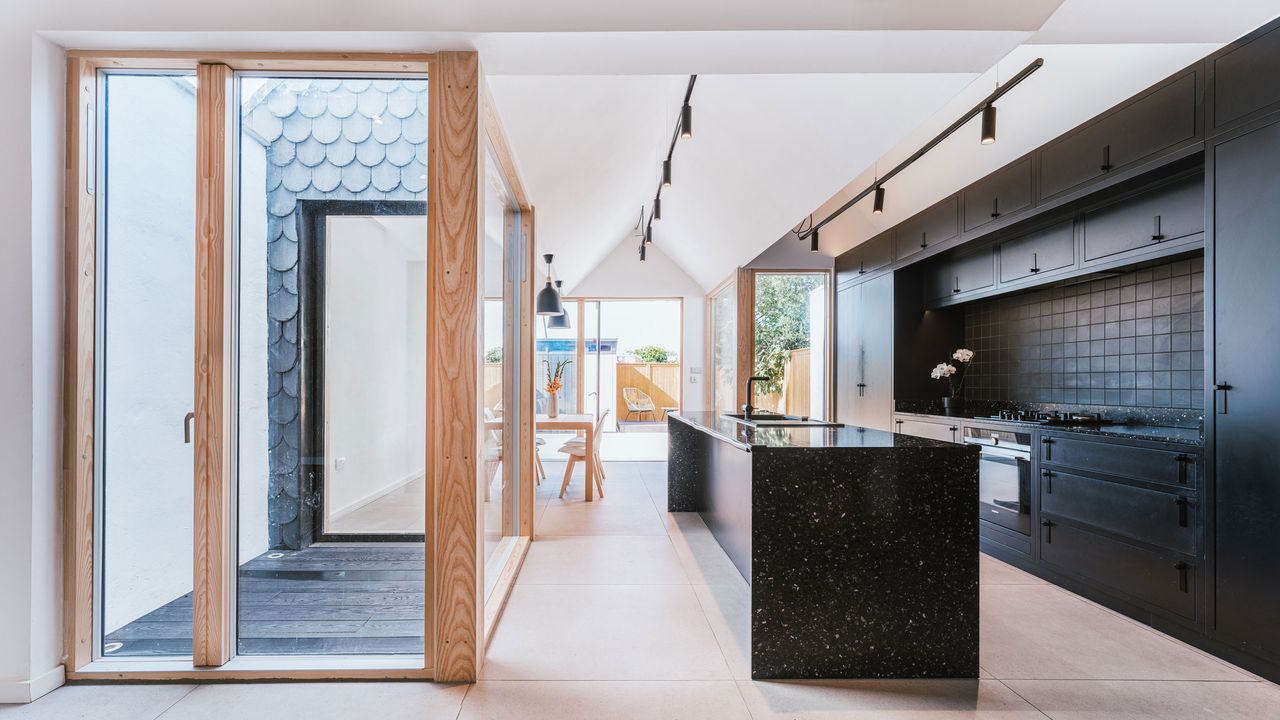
(548, 299)
(988, 124)
(561, 321)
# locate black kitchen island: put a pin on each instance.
(860, 546)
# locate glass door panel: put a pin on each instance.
(145, 354)
(331, 373)
(790, 343)
(724, 349)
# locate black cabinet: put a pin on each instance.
(1246, 78)
(1005, 191)
(870, 256)
(1038, 253)
(1246, 266)
(955, 276)
(931, 227)
(1133, 132)
(1163, 580)
(1155, 517)
(864, 353)
(1165, 214)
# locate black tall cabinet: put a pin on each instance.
(1245, 197)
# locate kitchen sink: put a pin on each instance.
(768, 419)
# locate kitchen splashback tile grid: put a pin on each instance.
(1135, 340)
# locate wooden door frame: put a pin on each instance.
(581, 343)
(453, 632)
(747, 335)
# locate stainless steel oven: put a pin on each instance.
(1004, 476)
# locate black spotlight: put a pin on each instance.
(988, 124)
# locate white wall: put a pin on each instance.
(373, 347)
(622, 275)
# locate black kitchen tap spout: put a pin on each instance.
(748, 409)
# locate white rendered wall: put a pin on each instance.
(372, 349)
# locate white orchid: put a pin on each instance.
(943, 370)
(963, 355)
(953, 375)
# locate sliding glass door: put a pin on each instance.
(145, 359)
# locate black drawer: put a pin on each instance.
(1165, 581)
(1150, 516)
(1137, 462)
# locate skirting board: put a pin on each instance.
(25, 691)
(380, 492)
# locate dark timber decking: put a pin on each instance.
(324, 600)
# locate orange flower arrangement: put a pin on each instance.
(555, 378)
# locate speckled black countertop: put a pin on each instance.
(1160, 433)
(747, 437)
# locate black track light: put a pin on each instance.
(666, 173)
(877, 205)
(988, 124)
(648, 234)
(548, 299)
(813, 242)
(686, 121)
(561, 321)
(657, 209)
(641, 252)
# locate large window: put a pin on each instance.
(790, 343)
(722, 306)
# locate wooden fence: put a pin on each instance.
(794, 398)
(660, 381)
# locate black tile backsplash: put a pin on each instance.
(1134, 340)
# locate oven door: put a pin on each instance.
(1004, 488)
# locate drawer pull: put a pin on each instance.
(1183, 461)
(924, 239)
(1106, 159)
(1182, 504)
(995, 207)
(1048, 448)
(1048, 480)
(1182, 568)
(1035, 263)
(862, 267)
(1156, 235)
(1048, 530)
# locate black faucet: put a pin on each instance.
(747, 409)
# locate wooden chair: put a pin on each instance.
(539, 472)
(576, 449)
(492, 451)
(638, 402)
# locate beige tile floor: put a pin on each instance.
(625, 611)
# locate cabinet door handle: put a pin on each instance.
(995, 207)
(924, 239)
(1182, 504)
(1106, 158)
(1048, 530)
(862, 267)
(1182, 461)
(186, 427)
(956, 288)
(1048, 481)
(1182, 568)
(1156, 235)
(1221, 391)
(861, 389)
(1048, 448)
(1035, 262)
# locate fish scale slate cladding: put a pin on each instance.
(325, 139)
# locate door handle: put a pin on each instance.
(1048, 448)
(1048, 530)
(956, 288)
(1156, 235)
(924, 239)
(1048, 481)
(861, 389)
(862, 267)
(1182, 504)
(995, 207)
(186, 427)
(1106, 159)
(1182, 461)
(1035, 262)
(1181, 567)
(1221, 391)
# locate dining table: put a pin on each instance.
(581, 423)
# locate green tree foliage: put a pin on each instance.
(493, 355)
(781, 322)
(652, 354)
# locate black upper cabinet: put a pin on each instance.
(1154, 122)
(1005, 191)
(955, 276)
(931, 227)
(1038, 253)
(866, 258)
(1246, 215)
(1246, 79)
(1164, 214)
